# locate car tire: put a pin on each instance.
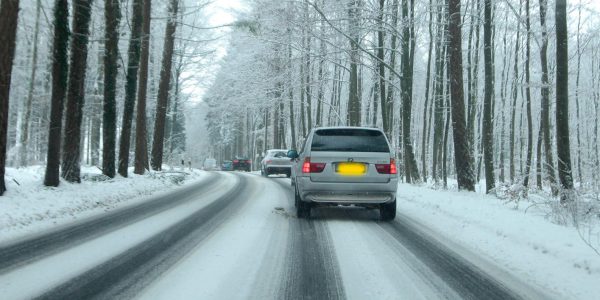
(296, 197)
(302, 208)
(288, 174)
(387, 211)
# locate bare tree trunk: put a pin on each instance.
(426, 105)
(514, 104)
(411, 169)
(130, 86)
(580, 177)
(562, 102)
(112, 14)
(60, 75)
(291, 97)
(9, 13)
(353, 96)
(76, 93)
(488, 125)
(503, 95)
(381, 68)
(389, 115)
(464, 171)
(473, 80)
(163, 88)
(141, 143)
(530, 140)
(438, 97)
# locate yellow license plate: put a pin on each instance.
(351, 169)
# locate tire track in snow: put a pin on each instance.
(312, 270)
(125, 275)
(25, 251)
(466, 279)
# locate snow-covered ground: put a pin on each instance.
(30, 207)
(520, 238)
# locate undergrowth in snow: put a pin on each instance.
(28, 206)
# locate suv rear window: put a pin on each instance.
(349, 140)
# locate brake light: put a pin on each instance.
(248, 161)
(387, 168)
(236, 161)
(308, 167)
(269, 161)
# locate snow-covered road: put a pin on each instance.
(235, 236)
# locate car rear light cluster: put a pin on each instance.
(236, 161)
(312, 167)
(387, 168)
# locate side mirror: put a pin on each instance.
(293, 154)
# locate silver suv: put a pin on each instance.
(345, 166)
(276, 162)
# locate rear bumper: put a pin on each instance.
(346, 193)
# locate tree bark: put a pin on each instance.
(60, 75)
(488, 125)
(514, 94)
(353, 118)
(9, 13)
(163, 88)
(426, 105)
(381, 69)
(462, 156)
(530, 140)
(71, 164)
(112, 14)
(130, 86)
(562, 102)
(410, 164)
(141, 143)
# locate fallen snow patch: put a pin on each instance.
(520, 238)
(28, 206)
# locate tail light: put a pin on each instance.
(269, 161)
(387, 168)
(308, 167)
(248, 161)
(236, 161)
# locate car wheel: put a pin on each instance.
(302, 208)
(296, 197)
(387, 211)
(288, 174)
(266, 173)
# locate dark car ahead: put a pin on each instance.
(242, 163)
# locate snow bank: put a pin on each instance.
(29, 207)
(521, 239)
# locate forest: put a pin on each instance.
(506, 92)
(96, 83)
